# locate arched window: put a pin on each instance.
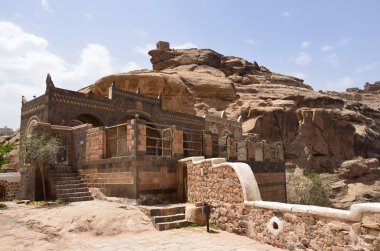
(87, 119)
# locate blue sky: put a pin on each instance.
(333, 45)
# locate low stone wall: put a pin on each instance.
(300, 226)
(215, 180)
(283, 225)
(150, 178)
(206, 183)
(9, 184)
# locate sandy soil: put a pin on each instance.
(104, 225)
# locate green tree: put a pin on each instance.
(5, 148)
(39, 150)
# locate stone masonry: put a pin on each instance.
(292, 227)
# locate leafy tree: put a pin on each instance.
(39, 150)
(5, 148)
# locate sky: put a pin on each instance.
(331, 44)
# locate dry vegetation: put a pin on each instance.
(307, 189)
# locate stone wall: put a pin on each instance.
(9, 186)
(287, 226)
(209, 184)
(317, 228)
(150, 178)
(95, 143)
(271, 179)
(79, 143)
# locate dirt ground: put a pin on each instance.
(104, 225)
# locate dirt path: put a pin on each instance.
(102, 225)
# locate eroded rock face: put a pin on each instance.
(319, 130)
(372, 87)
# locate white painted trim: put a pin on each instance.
(354, 214)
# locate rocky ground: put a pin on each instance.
(104, 225)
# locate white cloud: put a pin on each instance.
(305, 44)
(302, 59)
(145, 49)
(326, 48)
(333, 59)
(249, 41)
(46, 6)
(187, 45)
(286, 14)
(87, 15)
(25, 60)
(19, 15)
(367, 67)
(340, 84)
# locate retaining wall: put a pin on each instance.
(283, 225)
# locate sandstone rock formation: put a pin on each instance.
(14, 154)
(319, 130)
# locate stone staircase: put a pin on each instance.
(165, 218)
(68, 184)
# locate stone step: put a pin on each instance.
(81, 198)
(68, 182)
(168, 218)
(64, 178)
(173, 224)
(61, 169)
(71, 186)
(165, 211)
(71, 190)
(69, 195)
(57, 175)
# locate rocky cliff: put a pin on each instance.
(319, 130)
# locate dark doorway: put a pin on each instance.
(39, 192)
(2, 193)
(182, 182)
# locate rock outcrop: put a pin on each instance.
(319, 130)
(13, 156)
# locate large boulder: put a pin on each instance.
(164, 59)
(352, 169)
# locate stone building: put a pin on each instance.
(5, 131)
(128, 145)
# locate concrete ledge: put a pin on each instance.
(214, 161)
(354, 214)
(10, 177)
(197, 158)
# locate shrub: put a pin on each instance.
(306, 190)
(59, 202)
(5, 149)
(3, 206)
